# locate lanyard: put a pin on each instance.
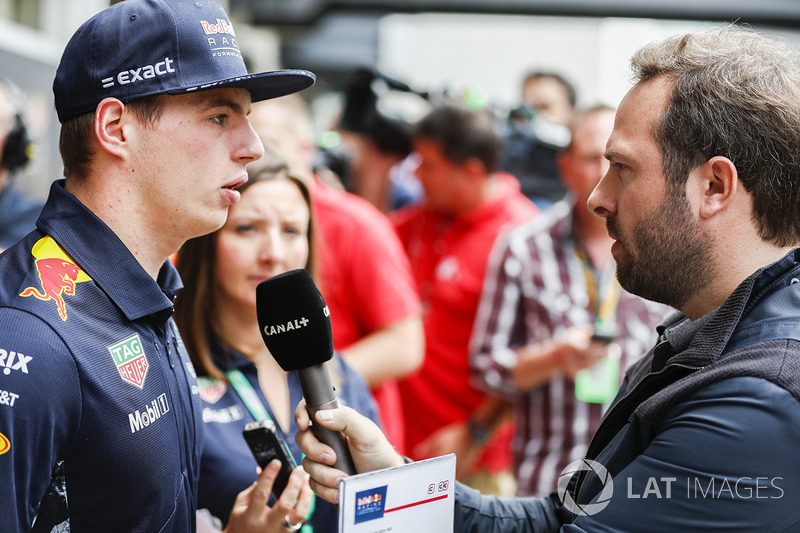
(603, 290)
(259, 412)
(248, 395)
(599, 382)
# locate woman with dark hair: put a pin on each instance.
(268, 232)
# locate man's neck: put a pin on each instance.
(115, 212)
(490, 189)
(726, 279)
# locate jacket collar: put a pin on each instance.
(713, 338)
(723, 328)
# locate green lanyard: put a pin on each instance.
(259, 412)
(248, 395)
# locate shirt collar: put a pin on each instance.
(103, 256)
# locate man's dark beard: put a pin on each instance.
(670, 260)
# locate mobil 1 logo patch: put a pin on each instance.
(130, 360)
(148, 414)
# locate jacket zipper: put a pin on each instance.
(611, 410)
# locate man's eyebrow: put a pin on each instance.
(231, 104)
(612, 154)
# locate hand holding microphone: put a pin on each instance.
(368, 445)
(296, 327)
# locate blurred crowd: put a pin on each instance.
(463, 250)
(472, 293)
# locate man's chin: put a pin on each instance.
(624, 274)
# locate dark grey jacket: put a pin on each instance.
(702, 438)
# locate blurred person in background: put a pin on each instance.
(378, 139)
(18, 212)
(536, 132)
(374, 154)
(551, 284)
(551, 95)
(270, 231)
(448, 237)
(363, 270)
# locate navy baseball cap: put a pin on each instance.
(139, 48)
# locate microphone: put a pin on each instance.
(296, 327)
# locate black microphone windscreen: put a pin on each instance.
(295, 322)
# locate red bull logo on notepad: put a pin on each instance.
(370, 504)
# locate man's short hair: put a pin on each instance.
(736, 94)
(77, 132)
(462, 134)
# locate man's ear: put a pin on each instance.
(109, 118)
(474, 169)
(718, 184)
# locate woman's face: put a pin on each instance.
(266, 234)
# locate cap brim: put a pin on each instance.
(266, 85)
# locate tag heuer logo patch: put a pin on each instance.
(211, 390)
(131, 362)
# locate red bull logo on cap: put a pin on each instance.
(221, 38)
(58, 274)
(221, 26)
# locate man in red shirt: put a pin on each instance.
(448, 238)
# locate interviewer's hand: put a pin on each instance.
(251, 513)
(368, 447)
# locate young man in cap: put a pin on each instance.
(701, 201)
(97, 392)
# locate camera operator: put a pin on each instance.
(536, 132)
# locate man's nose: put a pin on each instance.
(601, 201)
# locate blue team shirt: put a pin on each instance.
(227, 465)
(93, 373)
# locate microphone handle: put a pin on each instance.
(334, 439)
(319, 394)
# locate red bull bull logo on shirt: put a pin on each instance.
(58, 274)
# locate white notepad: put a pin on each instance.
(413, 498)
